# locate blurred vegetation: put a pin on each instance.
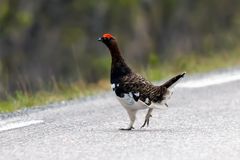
(46, 44)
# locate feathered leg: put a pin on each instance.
(132, 117)
(148, 115)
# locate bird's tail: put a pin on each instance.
(173, 81)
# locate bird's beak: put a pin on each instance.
(99, 39)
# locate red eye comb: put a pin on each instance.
(107, 35)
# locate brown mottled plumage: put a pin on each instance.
(137, 84)
(131, 89)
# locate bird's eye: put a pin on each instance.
(106, 39)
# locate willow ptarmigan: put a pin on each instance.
(131, 89)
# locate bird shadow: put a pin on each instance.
(161, 130)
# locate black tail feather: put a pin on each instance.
(173, 80)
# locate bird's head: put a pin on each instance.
(106, 39)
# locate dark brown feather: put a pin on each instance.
(173, 80)
(140, 88)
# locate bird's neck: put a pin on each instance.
(115, 53)
(118, 68)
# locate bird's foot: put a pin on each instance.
(146, 121)
(127, 129)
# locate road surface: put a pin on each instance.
(202, 122)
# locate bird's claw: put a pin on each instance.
(127, 129)
(146, 121)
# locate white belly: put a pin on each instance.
(129, 103)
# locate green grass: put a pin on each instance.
(157, 69)
(76, 90)
(192, 63)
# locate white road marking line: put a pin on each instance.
(211, 80)
(4, 126)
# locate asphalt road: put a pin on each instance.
(200, 123)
